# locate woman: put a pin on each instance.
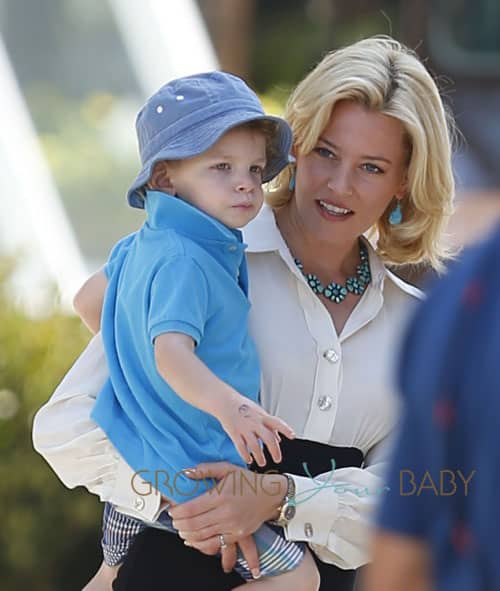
(372, 150)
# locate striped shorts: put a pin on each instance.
(276, 555)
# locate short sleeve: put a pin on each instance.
(179, 299)
(115, 253)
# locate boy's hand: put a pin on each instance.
(246, 423)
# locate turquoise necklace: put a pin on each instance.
(336, 292)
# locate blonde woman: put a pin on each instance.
(372, 159)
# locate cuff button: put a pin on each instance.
(139, 503)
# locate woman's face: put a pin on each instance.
(355, 170)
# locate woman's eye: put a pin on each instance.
(372, 168)
(324, 152)
(222, 166)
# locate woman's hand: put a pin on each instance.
(236, 506)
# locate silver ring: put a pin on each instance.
(222, 542)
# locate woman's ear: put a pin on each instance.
(160, 177)
(403, 190)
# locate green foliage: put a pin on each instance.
(291, 36)
(49, 539)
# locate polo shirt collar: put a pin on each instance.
(165, 211)
(262, 235)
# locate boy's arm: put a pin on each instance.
(243, 420)
(89, 299)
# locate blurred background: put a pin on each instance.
(73, 74)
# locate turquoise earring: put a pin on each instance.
(396, 215)
(291, 183)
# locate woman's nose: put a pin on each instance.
(341, 182)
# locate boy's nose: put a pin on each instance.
(244, 184)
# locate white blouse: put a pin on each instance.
(334, 389)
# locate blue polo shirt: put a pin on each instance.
(444, 478)
(183, 271)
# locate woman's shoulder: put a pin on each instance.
(406, 289)
(393, 284)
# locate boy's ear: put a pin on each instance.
(160, 177)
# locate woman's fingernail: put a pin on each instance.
(186, 543)
(255, 573)
(189, 471)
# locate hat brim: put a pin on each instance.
(204, 135)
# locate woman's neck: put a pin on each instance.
(328, 260)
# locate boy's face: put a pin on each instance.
(225, 181)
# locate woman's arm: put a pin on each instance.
(78, 451)
(237, 506)
(334, 511)
(89, 299)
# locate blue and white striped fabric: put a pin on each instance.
(276, 555)
(118, 533)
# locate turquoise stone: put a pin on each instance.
(335, 292)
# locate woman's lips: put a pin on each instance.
(333, 212)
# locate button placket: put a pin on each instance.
(323, 410)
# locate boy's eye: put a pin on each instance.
(222, 166)
(369, 167)
(257, 169)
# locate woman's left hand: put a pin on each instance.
(236, 506)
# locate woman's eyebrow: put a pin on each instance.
(364, 157)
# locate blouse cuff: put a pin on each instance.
(312, 503)
(134, 496)
(334, 515)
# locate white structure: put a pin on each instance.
(165, 39)
(33, 224)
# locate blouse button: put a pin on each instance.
(331, 356)
(324, 402)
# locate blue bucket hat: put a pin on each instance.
(188, 115)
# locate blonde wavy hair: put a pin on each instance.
(385, 76)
